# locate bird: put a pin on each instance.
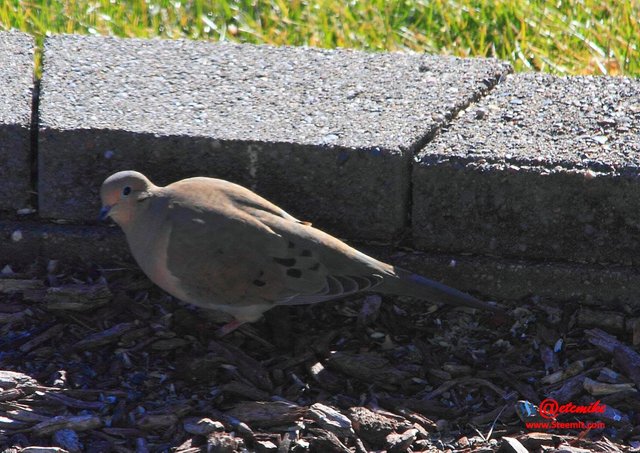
(218, 245)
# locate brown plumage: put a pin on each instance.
(218, 245)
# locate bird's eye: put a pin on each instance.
(126, 191)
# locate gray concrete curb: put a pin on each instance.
(24, 241)
(534, 175)
(543, 167)
(16, 91)
(327, 134)
(491, 278)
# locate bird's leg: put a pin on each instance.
(228, 328)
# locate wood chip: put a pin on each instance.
(12, 379)
(326, 441)
(13, 318)
(602, 388)
(570, 389)
(73, 422)
(42, 338)
(11, 285)
(139, 365)
(571, 370)
(68, 439)
(202, 426)
(534, 441)
(512, 445)
(245, 390)
(153, 422)
(565, 448)
(266, 446)
(419, 405)
(22, 413)
(105, 337)
(123, 432)
(248, 366)
(609, 376)
(325, 377)
(608, 320)
(77, 297)
(43, 450)
(223, 443)
(331, 419)
(263, 414)
(169, 344)
(368, 367)
(613, 416)
(397, 443)
(426, 424)
(625, 357)
(456, 369)
(505, 411)
(11, 423)
(371, 426)
(188, 446)
(73, 402)
(11, 395)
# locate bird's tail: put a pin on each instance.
(413, 285)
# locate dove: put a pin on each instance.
(218, 245)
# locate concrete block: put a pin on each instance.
(16, 91)
(544, 168)
(327, 134)
(512, 281)
(25, 241)
(506, 280)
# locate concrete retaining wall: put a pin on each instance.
(456, 157)
(329, 135)
(16, 91)
(543, 167)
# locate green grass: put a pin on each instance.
(563, 37)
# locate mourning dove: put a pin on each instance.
(218, 245)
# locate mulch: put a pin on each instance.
(101, 360)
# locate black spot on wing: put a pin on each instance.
(305, 252)
(286, 262)
(291, 245)
(259, 282)
(295, 273)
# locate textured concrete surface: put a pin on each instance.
(511, 280)
(21, 243)
(543, 168)
(16, 85)
(328, 134)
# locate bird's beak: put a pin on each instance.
(104, 212)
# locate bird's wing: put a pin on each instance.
(233, 247)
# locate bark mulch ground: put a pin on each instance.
(100, 360)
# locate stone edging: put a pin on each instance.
(467, 157)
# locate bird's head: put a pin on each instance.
(121, 195)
